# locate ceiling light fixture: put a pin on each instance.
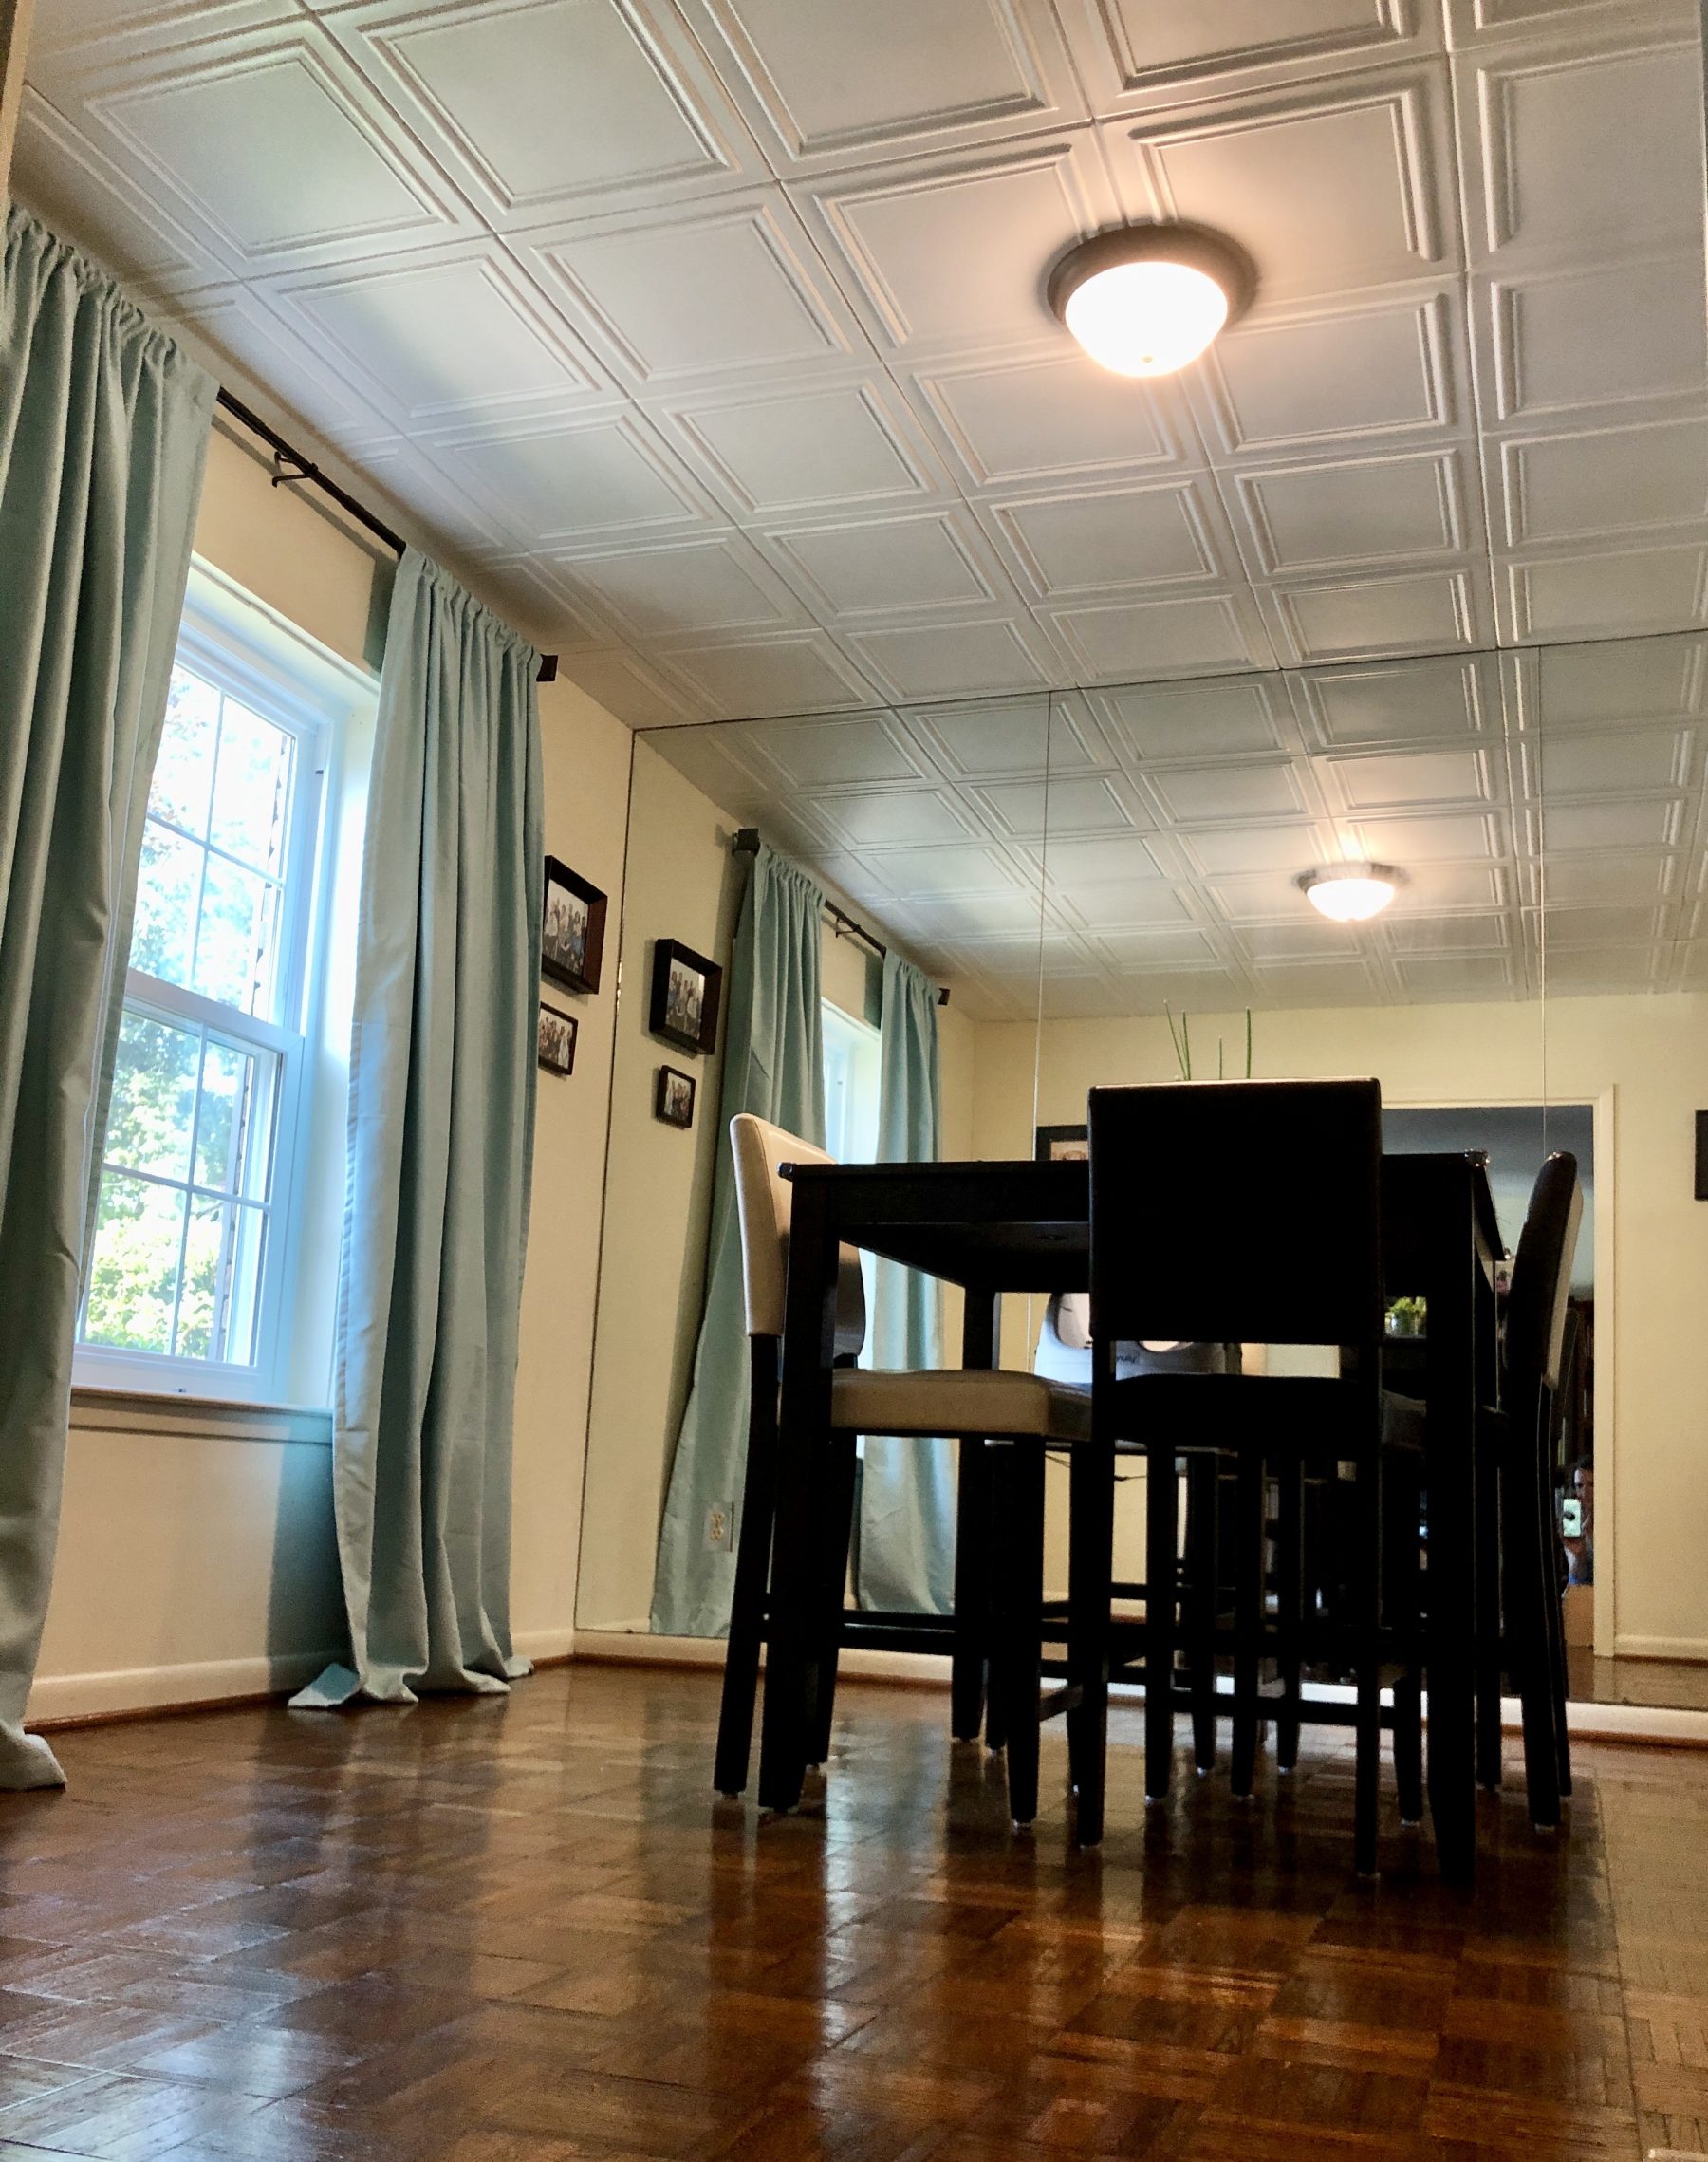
(1145, 299)
(1351, 893)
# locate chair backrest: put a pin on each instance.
(765, 1198)
(1237, 1211)
(1536, 1304)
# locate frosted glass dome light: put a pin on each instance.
(1143, 300)
(1351, 893)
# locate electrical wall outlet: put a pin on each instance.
(720, 1527)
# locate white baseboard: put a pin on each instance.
(637, 1648)
(153, 1689)
(1591, 1722)
(1688, 1648)
(544, 1643)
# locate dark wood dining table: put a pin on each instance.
(997, 1227)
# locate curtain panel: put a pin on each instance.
(440, 1153)
(774, 1066)
(906, 1551)
(103, 436)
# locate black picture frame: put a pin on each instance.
(572, 933)
(1061, 1144)
(669, 1103)
(676, 1016)
(555, 1047)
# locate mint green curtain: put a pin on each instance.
(440, 1153)
(104, 434)
(906, 1556)
(774, 1066)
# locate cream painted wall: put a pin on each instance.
(197, 1554)
(1649, 1057)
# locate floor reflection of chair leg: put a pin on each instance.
(1248, 1620)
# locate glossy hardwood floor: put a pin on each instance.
(525, 1931)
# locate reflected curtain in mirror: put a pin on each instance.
(906, 1553)
(104, 434)
(440, 1153)
(774, 1068)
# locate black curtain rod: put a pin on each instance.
(290, 466)
(747, 844)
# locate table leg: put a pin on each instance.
(972, 1588)
(794, 1646)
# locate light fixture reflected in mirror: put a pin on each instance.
(1351, 893)
(1143, 300)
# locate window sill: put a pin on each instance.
(138, 1411)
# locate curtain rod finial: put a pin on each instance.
(548, 666)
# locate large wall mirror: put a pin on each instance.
(1105, 882)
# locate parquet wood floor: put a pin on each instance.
(523, 1931)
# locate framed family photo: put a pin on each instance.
(674, 1102)
(1063, 1145)
(557, 1039)
(686, 989)
(573, 932)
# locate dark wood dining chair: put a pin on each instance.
(979, 1406)
(1533, 1638)
(1243, 1211)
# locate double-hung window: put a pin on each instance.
(189, 1281)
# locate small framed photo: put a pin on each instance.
(686, 989)
(1063, 1145)
(557, 1039)
(674, 1103)
(572, 933)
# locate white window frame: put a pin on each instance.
(855, 1046)
(268, 665)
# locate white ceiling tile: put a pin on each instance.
(1155, 535)
(545, 104)
(948, 660)
(1594, 334)
(1046, 414)
(894, 818)
(1605, 596)
(1189, 636)
(620, 683)
(1335, 981)
(910, 872)
(1620, 680)
(1425, 611)
(916, 239)
(993, 738)
(1410, 780)
(888, 566)
(67, 183)
(1446, 934)
(1195, 721)
(1567, 928)
(830, 82)
(277, 149)
(1158, 948)
(783, 449)
(1268, 897)
(1284, 379)
(435, 338)
(1398, 701)
(569, 482)
(1631, 880)
(1117, 904)
(1643, 823)
(1138, 51)
(1580, 151)
(1060, 807)
(674, 297)
(718, 583)
(1599, 481)
(797, 671)
(1330, 189)
(962, 917)
(1373, 509)
(869, 752)
(1457, 976)
(1428, 840)
(1075, 866)
(1204, 794)
(1232, 851)
(1626, 761)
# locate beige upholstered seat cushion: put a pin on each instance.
(953, 1401)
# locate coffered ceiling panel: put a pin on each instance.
(712, 334)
